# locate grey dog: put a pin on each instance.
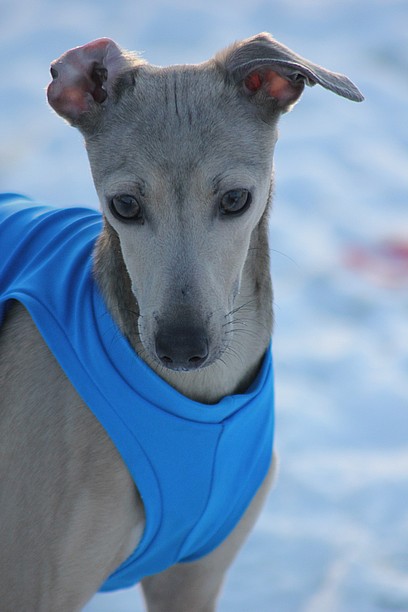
(182, 162)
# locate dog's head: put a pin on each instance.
(182, 163)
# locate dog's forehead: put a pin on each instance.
(182, 111)
(179, 94)
(169, 124)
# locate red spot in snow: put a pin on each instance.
(385, 262)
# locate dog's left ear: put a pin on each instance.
(83, 78)
(262, 66)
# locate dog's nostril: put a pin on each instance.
(166, 359)
(196, 359)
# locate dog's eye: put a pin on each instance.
(126, 208)
(235, 202)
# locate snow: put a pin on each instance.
(333, 536)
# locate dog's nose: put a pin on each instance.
(182, 348)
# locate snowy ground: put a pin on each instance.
(334, 534)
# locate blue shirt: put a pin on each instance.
(196, 466)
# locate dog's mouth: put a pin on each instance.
(185, 338)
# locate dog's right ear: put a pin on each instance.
(83, 78)
(273, 74)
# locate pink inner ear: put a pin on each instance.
(253, 82)
(83, 76)
(274, 85)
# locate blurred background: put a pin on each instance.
(334, 534)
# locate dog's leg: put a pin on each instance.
(69, 511)
(194, 587)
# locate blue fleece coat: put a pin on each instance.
(196, 466)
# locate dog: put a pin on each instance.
(135, 365)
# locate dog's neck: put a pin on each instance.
(250, 327)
